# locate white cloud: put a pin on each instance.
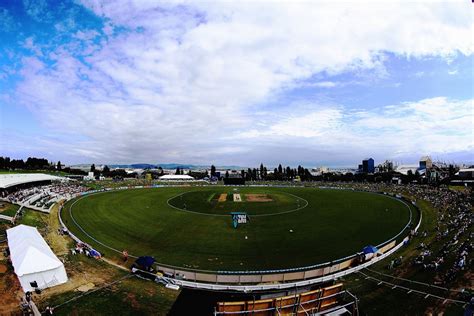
(184, 77)
(325, 84)
(436, 125)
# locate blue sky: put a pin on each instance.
(193, 82)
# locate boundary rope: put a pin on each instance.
(410, 290)
(93, 291)
(416, 282)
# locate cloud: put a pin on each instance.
(7, 23)
(179, 79)
(324, 84)
(37, 10)
(435, 125)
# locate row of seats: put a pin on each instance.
(299, 304)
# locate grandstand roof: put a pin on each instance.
(176, 177)
(403, 169)
(12, 179)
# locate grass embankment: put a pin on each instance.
(8, 209)
(87, 292)
(383, 300)
(34, 218)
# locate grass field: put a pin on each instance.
(334, 224)
(207, 201)
(8, 209)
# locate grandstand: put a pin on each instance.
(329, 300)
(14, 181)
(36, 191)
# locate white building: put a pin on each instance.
(466, 173)
(90, 176)
(403, 169)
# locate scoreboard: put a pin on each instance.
(239, 218)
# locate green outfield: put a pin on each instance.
(190, 227)
(254, 201)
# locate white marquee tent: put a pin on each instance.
(33, 260)
(176, 177)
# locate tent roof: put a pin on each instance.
(29, 252)
(145, 261)
(176, 177)
(370, 249)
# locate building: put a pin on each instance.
(425, 163)
(466, 173)
(90, 176)
(11, 182)
(368, 165)
(406, 169)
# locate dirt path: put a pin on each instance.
(60, 244)
(10, 293)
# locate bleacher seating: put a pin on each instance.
(312, 302)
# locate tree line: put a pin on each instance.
(279, 174)
(31, 163)
(34, 163)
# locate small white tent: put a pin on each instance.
(33, 260)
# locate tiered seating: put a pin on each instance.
(316, 301)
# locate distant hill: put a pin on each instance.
(170, 166)
(135, 166)
(150, 166)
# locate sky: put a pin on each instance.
(237, 83)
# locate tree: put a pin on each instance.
(59, 166)
(451, 170)
(254, 174)
(213, 171)
(92, 168)
(227, 174)
(106, 171)
(177, 171)
(280, 169)
(261, 171)
(17, 164)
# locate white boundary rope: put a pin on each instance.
(410, 290)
